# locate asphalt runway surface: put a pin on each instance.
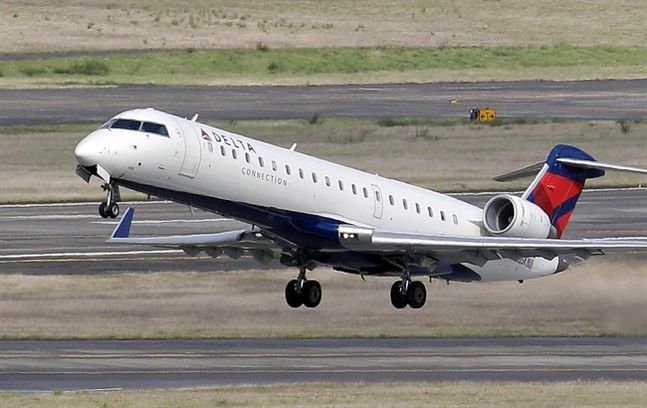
(70, 238)
(32, 366)
(584, 100)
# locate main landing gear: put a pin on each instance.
(303, 292)
(406, 292)
(110, 208)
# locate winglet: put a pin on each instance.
(123, 228)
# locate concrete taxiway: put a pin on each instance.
(586, 100)
(70, 238)
(114, 364)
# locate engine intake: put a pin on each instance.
(511, 216)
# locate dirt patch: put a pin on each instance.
(601, 297)
(92, 24)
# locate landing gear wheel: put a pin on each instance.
(311, 293)
(293, 295)
(113, 210)
(397, 300)
(103, 210)
(416, 295)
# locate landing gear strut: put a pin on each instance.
(303, 292)
(110, 208)
(406, 292)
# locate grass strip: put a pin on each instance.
(359, 394)
(263, 64)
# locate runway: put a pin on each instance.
(70, 238)
(110, 364)
(585, 100)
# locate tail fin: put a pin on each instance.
(560, 180)
(557, 186)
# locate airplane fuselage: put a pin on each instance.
(296, 198)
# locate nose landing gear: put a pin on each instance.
(110, 208)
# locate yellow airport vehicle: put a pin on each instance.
(483, 114)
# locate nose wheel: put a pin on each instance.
(110, 208)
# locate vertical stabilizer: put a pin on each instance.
(558, 185)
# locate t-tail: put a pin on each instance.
(560, 181)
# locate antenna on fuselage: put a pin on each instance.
(194, 117)
(294, 147)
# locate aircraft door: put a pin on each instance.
(192, 149)
(378, 201)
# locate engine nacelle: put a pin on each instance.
(511, 216)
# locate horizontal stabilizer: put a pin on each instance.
(529, 170)
(588, 164)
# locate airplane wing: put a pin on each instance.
(478, 250)
(230, 242)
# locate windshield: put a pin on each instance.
(131, 124)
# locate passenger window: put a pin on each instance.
(328, 181)
(430, 212)
(404, 204)
(247, 157)
(273, 165)
(210, 146)
(223, 151)
(314, 177)
(455, 219)
(287, 169)
(260, 161)
(127, 124)
(442, 215)
(354, 188)
(377, 196)
(391, 200)
(365, 192)
(234, 153)
(341, 185)
(418, 208)
(154, 128)
(301, 173)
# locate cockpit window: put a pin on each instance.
(154, 128)
(126, 124)
(108, 124)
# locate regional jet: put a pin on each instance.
(307, 212)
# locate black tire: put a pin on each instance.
(311, 294)
(113, 210)
(103, 210)
(292, 295)
(416, 295)
(397, 300)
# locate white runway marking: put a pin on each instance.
(78, 204)
(49, 217)
(166, 221)
(89, 254)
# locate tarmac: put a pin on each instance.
(540, 100)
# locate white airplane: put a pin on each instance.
(307, 212)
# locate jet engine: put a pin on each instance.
(511, 216)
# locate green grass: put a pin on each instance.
(275, 65)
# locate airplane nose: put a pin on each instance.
(87, 152)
